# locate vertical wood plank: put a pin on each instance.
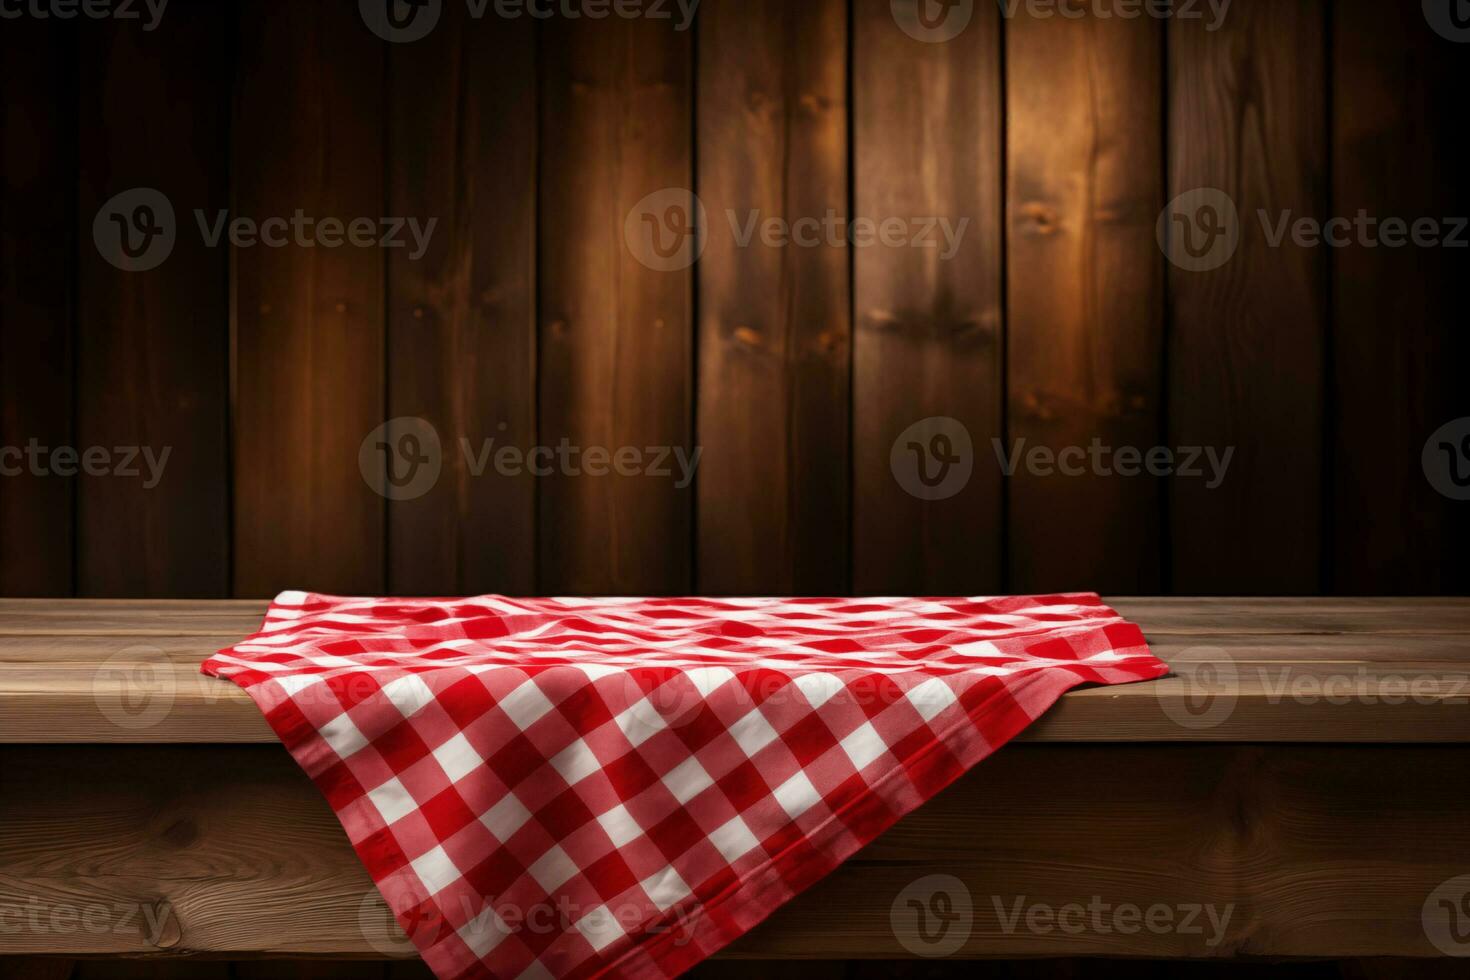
(461, 317)
(153, 343)
(1085, 312)
(615, 333)
(309, 320)
(1248, 118)
(37, 193)
(774, 337)
(1398, 341)
(928, 336)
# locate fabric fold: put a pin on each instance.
(622, 786)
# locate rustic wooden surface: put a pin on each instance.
(1248, 116)
(229, 850)
(462, 317)
(152, 349)
(1085, 356)
(616, 336)
(37, 286)
(1275, 670)
(1327, 370)
(774, 336)
(308, 322)
(1396, 153)
(928, 337)
(1050, 968)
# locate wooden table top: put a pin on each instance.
(1246, 670)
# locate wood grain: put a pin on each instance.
(1085, 301)
(37, 289)
(153, 346)
(1396, 154)
(1248, 670)
(247, 859)
(308, 320)
(928, 340)
(1247, 116)
(1159, 616)
(774, 344)
(615, 334)
(461, 317)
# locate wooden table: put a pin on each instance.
(1299, 788)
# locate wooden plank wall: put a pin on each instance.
(549, 153)
(151, 353)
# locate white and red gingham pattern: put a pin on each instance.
(620, 787)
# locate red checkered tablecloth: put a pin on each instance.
(621, 787)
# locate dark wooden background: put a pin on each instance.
(793, 369)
